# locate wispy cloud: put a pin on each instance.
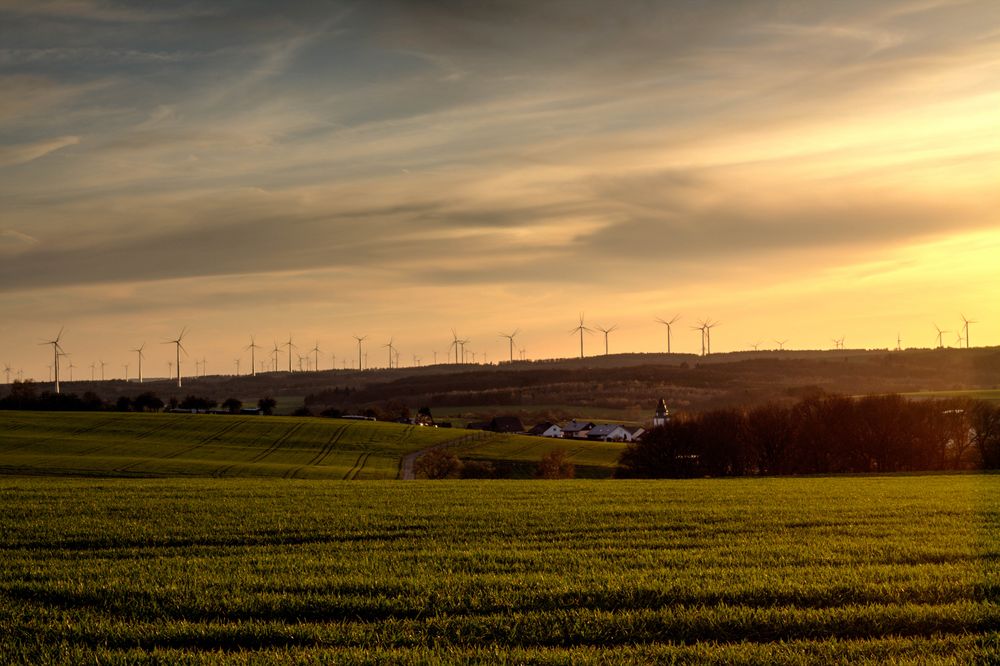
(22, 153)
(538, 147)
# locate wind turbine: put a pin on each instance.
(315, 350)
(274, 354)
(360, 339)
(454, 343)
(391, 348)
(965, 328)
(702, 329)
(93, 369)
(605, 331)
(462, 343)
(940, 333)
(71, 366)
(237, 367)
(709, 325)
(899, 342)
(253, 346)
(103, 364)
(139, 351)
(56, 351)
(581, 328)
(756, 345)
(510, 337)
(178, 348)
(781, 344)
(290, 345)
(668, 324)
(125, 365)
(6, 370)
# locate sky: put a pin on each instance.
(794, 170)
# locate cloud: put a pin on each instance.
(19, 154)
(13, 242)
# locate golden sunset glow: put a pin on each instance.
(798, 171)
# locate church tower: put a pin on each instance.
(662, 415)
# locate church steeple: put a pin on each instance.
(662, 414)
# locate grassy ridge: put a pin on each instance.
(158, 445)
(747, 571)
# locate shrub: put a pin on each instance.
(232, 405)
(556, 465)
(437, 464)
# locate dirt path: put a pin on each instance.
(406, 472)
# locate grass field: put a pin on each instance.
(461, 416)
(165, 445)
(846, 570)
(989, 395)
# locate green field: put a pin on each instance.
(821, 570)
(165, 445)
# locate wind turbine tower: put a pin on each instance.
(606, 331)
(701, 328)
(360, 339)
(965, 328)
(290, 345)
(315, 350)
(56, 351)
(581, 328)
(510, 338)
(178, 348)
(668, 324)
(454, 343)
(709, 325)
(391, 349)
(274, 356)
(253, 346)
(940, 335)
(139, 352)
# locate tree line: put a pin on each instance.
(23, 396)
(821, 435)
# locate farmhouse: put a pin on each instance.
(577, 429)
(546, 429)
(609, 432)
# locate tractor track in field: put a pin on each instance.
(205, 440)
(96, 426)
(277, 443)
(221, 472)
(176, 454)
(138, 437)
(320, 456)
(358, 466)
(163, 426)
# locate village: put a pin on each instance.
(574, 429)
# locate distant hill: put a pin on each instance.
(619, 386)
